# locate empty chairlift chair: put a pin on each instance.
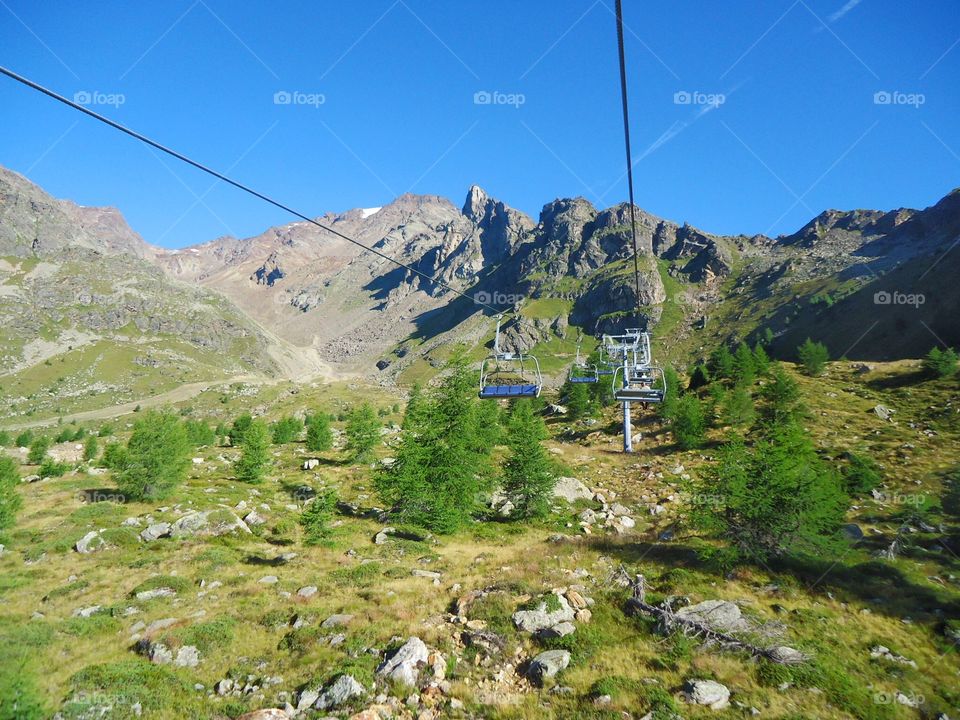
(646, 384)
(582, 371)
(507, 375)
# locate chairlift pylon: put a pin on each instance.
(508, 375)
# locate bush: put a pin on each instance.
(286, 430)
(156, 457)
(114, 457)
(737, 408)
(782, 398)
(24, 439)
(528, 477)
(700, 377)
(315, 518)
(363, 433)
(211, 635)
(255, 453)
(688, 424)
(813, 356)
(106, 430)
(721, 364)
(576, 397)
(50, 468)
(940, 363)
(10, 500)
(20, 698)
(744, 365)
(319, 436)
(38, 450)
(4, 438)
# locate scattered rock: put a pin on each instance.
(311, 464)
(207, 523)
(155, 531)
(87, 611)
(784, 655)
(156, 593)
(884, 653)
(265, 714)
(571, 490)
(883, 412)
(307, 591)
(540, 618)
(254, 518)
(707, 692)
(547, 664)
(336, 621)
(559, 630)
(404, 665)
(717, 614)
(187, 656)
(343, 689)
(90, 543)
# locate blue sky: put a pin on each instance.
(746, 117)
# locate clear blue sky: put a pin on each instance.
(799, 129)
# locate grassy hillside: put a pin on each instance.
(835, 609)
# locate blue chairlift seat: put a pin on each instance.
(526, 390)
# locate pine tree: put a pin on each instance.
(38, 450)
(319, 436)
(760, 359)
(940, 363)
(363, 432)
(238, 428)
(4, 438)
(700, 377)
(316, 516)
(527, 476)
(782, 398)
(744, 365)
(10, 500)
(286, 430)
(769, 499)
(90, 448)
(813, 356)
(255, 453)
(24, 439)
(737, 408)
(721, 364)
(199, 433)
(688, 425)
(156, 457)
(441, 465)
(576, 397)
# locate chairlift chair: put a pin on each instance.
(508, 375)
(641, 386)
(581, 371)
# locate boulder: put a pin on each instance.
(557, 631)
(540, 618)
(187, 656)
(155, 532)
(307, 591)
(254, 518)
(786, 655)
(207, 523)
(404, 665)
(719, 615)
(571, 490)
(707, 692)
(336, 620)
(90, 543)
(547, 664)
(343, 689)
(265, 714)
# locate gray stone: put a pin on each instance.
(343, 689)
(187, 656)
(707, 692)
(308, 591)
(90, 543)
(417, 572)
(571, 490)
(404, 666)
(159, 592)
(336, 621)
(786, 655)
(87, 611)
(852, 531)
(559, 630)
(254, 518)
(540, 619)
(547, 664)
(306, 699)
(207, 523)
(155, 531)
(716, 614)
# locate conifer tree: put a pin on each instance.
(363, 432)
(254, 453)
(156, 458)
(319, 436)
(744, 365)
(10, 500)
(813, 356)
(527, 475)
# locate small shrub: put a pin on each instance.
(813, 356)
(10, 500)
(940, 363)
(38, 450)
(24, 439)
(316, 517)
(286, 430)
(50, 468)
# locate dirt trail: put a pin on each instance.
(182, 392)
